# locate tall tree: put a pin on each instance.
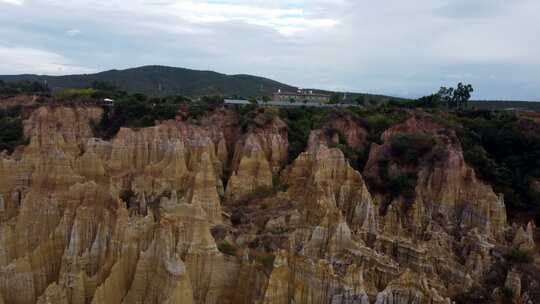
(456, 98)
(462, 94)
(446, 95)
(335, 99)
(360, 100)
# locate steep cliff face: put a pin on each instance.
(210, 213)
(258, 156)
(67, 235)
(352, 129)
(323, 180)
(444, 186)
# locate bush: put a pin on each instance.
(430, 101)
(270, 114)
(277, 184)
(127, 196)
(75, 94)
(507, 293)
(11, 129)
(505, 152)
(135, 111)
(408, 148)
(300, 122)
(226, 248)
(519, 256)
(237, 218)
(103, 86)
(403, 185)
(378, 122)
(266, 260)
(278, 230)
(355, 157)
(22, 87)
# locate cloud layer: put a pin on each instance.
(406, 48)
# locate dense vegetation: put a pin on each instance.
(11, 129)
(226, 248)
(137, 111)
(505, 154)
(75, 95)
(301, 121)
(165, 81)
(504, 105)
(375, 121)
(503, 148)
(22, 87)
(408, 148)
(518, 256)
(402, 185)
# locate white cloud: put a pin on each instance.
(391, 46)
(73, 32)
(280, 18)
(20, 60)
(15, 2)
(284, 20)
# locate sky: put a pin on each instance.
(395, 47)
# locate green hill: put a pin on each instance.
(165, 81)
(161, 80)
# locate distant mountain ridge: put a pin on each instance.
(162, 80)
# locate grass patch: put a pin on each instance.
(226, 248)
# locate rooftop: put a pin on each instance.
(300, 93)
(288, 104)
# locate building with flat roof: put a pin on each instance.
(304, 96)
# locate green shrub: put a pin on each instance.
(226, 248)
(505, 152)
(379, 121)
(22, 87)
(269, 115)
(507, 293)
(75, 94)
(301, 121)
(408, 148)
(127, 196)
(11, 129)
(135, 111)
(402, 185)
(278, 230)
(237, 217)
(519, 256)
(103, 86)
(266, 260)
(277, 185)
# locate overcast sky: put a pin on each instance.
(405, 48)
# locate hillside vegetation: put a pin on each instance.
(162, 81)
(166, 81)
